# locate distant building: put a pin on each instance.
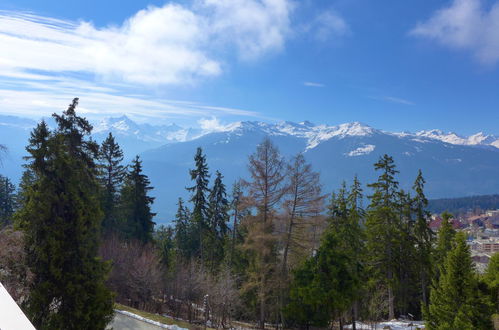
(436, 223)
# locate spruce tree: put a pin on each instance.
(8, 200)
(491, 278)
(456, 301)
(183, 231)
(325, 286)
(199, 200)
(444, 242)
(217, 229)
(423, 236)
(136, 204)
(383, 230)
(62, 218)
(111, 177)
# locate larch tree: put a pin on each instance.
(61, 218)
(266, 167)
(301, 202)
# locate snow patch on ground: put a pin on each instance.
(360, 151)
(393, 325)
(143, 319)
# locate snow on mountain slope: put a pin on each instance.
(453, 138)
(148, 133)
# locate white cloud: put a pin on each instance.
(256, 27)
(465, 24)
(212, 124)
(173, 44)
(313, 84)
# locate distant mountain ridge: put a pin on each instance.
(453, 165)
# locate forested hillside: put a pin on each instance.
(464, 204)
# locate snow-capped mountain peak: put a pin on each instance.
(453, 138)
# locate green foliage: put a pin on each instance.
(136, 204)
(383, 230)
(111, 177)
(491, 278)
(8, 199)
(61, 218)
(164, 239)
(199, 200)
(456, 301)
(423, 236)
(217, 229)
(445, 238)
(325, 286)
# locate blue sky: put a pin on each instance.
(394, 65)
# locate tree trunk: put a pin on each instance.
(391, 308)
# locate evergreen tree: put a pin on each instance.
(444, 242)
(423, 236)
(491, 278)
(62, 219)
(136, 204)
(456, 301)
(164, 240)
(199, 200)
(383, 230)
(183, 231)
(27, 181)
(111, 177)
(408, 295)
(217, 229)
(355, 237)
(8, 200)
(325, 286)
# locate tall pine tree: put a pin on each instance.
(62, 219)
(218, 216)
(111, 177)
(423, 236)
(383, 230)
(199, 199)
(136, 204)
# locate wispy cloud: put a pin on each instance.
(37, 99)
(465, 24)
(313, 84)
(397, 100)
(327, 25)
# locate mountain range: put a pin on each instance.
(453, 165)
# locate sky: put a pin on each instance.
(394, 65)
